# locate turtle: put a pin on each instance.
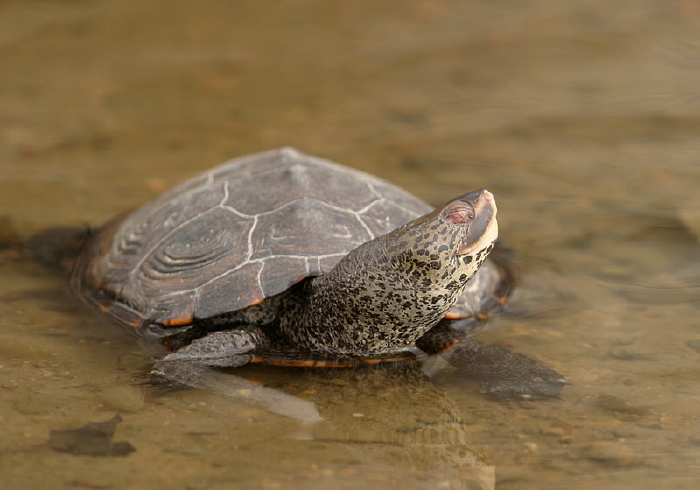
(286, 259)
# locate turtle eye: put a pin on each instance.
(459, 213)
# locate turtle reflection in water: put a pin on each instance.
(286, 259)
(421, 444)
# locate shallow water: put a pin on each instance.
(582, 117)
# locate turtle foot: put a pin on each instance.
(189, 364)
(503, 374)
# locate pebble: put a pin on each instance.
(617, 404)
(123, 398)
(531, 446)
(527, 405)
(612, 453)
(553, 431)
(624, 354)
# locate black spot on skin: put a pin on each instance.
(468, 259)
(442, 248)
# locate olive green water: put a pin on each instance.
(582, 117)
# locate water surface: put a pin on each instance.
(583, 119)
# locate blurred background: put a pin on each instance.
(582, 117)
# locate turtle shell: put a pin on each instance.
(231, 237)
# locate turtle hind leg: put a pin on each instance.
(224, 348)
(500, 372)
(504, 374)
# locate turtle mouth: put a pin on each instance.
(483, 230)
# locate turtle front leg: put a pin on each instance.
(225, 348)
(500, 372)
(191, 366)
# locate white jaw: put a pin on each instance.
(489, 236)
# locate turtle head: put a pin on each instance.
(472, 219)
(445, 248)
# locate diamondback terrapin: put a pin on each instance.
(287, 259)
